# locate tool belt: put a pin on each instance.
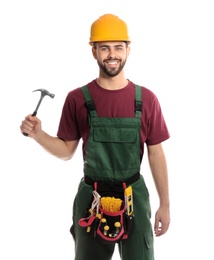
(128, 181)
(111, 215)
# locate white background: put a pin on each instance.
(44, 44)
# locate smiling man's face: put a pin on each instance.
(111, 56)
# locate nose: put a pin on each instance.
(111, 54)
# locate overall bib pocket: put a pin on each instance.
(119, 142)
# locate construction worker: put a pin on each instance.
(116, 119)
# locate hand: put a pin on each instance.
(31, 126)
(162, 221)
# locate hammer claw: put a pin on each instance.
(44, 93)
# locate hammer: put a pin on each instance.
(44, 93)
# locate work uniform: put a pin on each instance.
(112, 154)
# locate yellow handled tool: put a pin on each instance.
(129, 200)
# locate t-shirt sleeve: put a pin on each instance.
(157, 130)
(68, 127)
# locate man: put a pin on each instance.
(115, 119)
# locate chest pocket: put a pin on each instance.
(115, 135)
(116, 147)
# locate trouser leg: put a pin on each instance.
(86, 245)
(138, 247)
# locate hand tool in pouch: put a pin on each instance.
(94, 212)
(129, 216)
(128, 200)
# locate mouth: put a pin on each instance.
(112, 62)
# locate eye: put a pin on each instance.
(104, 48)
(119, 48)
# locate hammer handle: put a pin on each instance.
(34, 114)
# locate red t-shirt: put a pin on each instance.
(112, 103)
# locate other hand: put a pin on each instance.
(162, 221)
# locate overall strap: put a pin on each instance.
(138, 101)
(89, 102)
(91, 106)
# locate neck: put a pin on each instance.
(112, 83)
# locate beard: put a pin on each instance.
(111, 72)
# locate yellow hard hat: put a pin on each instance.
(109, 28)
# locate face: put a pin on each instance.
(111, 56)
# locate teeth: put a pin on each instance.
(113, 62)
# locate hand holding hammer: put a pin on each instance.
(44, 93)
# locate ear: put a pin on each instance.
(128, 50)
(94, 52)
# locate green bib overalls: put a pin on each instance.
(113, 155)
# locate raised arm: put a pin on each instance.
(55, 146)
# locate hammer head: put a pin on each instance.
(44, 92)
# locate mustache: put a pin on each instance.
(112, 59)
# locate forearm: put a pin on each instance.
(55, 146)
(64, 150)
(158, 166)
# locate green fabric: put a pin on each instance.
(113, 154)
(138, 246)
(113, 148)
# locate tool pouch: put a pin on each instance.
(111, 228)
(107, 225)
